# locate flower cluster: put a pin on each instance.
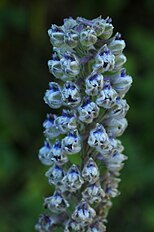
(88, 88)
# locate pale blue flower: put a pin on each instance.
(71, 144)
(57, 154)
(70, 65)
(45, 223)
(93, 193)
(107, 97)
(67, 121)
(104, 60)
(56, 203)
(53, 96)
(121, 82)
(56, 35)
(94, 83)
(98, 137)
(44, 154)
(88, 111)
(71, 94)
(84, 213)
(51, 131)
(90, 171)
(119, 110)
(73, 180)
(55, 175)
(115, 127)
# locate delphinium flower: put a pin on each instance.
(87, 91)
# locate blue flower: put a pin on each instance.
(71, 144)
(94, 83)
(119, 110)
(45, 223)
(107, 97)
(55, 175)
(115, 127)
(121, 82)
(88, 111)
(90, 171)
(51, 131)
(44, 154)
(70, 65)
(93, 193)
(71, 94)
(73, 180)
(56, 203)
(57, 154)
(84, 213)
(98, 137)
(67, 121)
(53, 96)
(104, 60)
(55, 66)
(56, 35)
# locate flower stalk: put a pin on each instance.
(89, 87)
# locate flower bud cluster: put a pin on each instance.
(88, 90)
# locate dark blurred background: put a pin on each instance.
(24, 76)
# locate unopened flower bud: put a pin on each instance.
(115, 163)
(56, 35)
(97, 226)
(120, 60)
(98, 25)
(55, 66)
(108, 31)
(117, 45)
(71, 38)
(73, 225)
(88, 37)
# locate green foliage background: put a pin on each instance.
(24, 76)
